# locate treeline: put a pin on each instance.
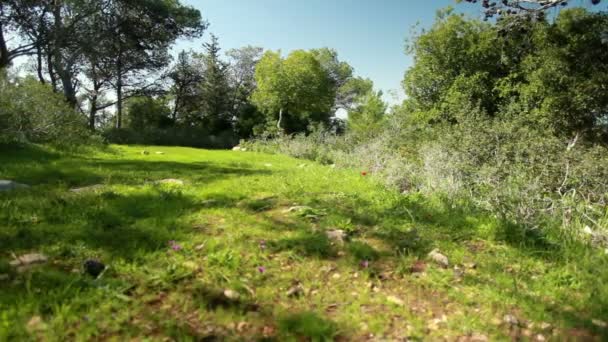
(111, 61)
(508, 117)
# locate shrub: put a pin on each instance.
(30, 111)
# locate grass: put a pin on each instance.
(231, 217)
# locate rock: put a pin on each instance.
(35, 324)
(540, 338)
(599, 324)
(418, 267)
(236, 148)
(439, 258)
(243, 150)
(160, 153)
(336, 235)
(297, 208)
(242, 327)
(395, 300)
(7, 185)
(94, 268)
(587, 230)
(296, 290)
(231, 294)
(26, 261)
(510, 320)
(90, 188)
(171, 181)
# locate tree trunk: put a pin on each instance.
(39, 64)
(119, 93)
(280, 121)
(65, 76)
(93, 111)
(4, 59)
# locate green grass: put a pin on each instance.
(230, 218)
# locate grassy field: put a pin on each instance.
(240, 251)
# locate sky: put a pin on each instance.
(368, 34)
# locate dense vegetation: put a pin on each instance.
(497, 158)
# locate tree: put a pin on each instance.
(523, 8)
(214, 91)
(294, 92)
(367, 118)
(186, 75)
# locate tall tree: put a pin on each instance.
(293, 92)
(186, 76)
(215, 93)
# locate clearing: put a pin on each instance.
(223, 245)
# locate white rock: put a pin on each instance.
(231, 294)
(87, 188)
(439, 258)
(171, 181)
(587, 230)
(395, 300)
(336, 235)
(236, 148)
(6, 185)
(510, 319)
(160, 153)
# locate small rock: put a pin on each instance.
(171, 181)
(94, 268)
(236, 148)
(540, 338)
(242, 326)
(600, 324)
(439, 258)
(7, 185)
(160, 153)
(87, 188)
(544, 326)
(35, 324)
(395, 300)
(297, 208)
(336, 235)
(587, 230)
(231, 294)
(296, 290)
(510, 320)
(418, 267)
(27, 260)
(243, 150)
(336, 276)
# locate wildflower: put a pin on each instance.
(364, 264)
(175, 246)
(262, 269)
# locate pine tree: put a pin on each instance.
(215, 90)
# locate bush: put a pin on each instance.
(32, 112)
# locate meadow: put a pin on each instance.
(225, 245)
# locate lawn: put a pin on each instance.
(247, 246)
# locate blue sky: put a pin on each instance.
(368, 34)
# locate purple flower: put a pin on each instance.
(262, 269)
(175, 246)
(364, 264)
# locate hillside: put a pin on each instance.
(225, 245)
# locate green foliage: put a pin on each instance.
(30, 111)
(147, 112)
(368, 117)
(297, 86)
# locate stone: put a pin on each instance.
(89, 188)
(94, 268)
(160, 153)
(236, 148)
(171, 181)
(395, 300)
(7, 185)
(296, 290)
(510, 320)
(439, 258)
(599, 324)
(336, 235)
(24, 262)
(231, 294)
